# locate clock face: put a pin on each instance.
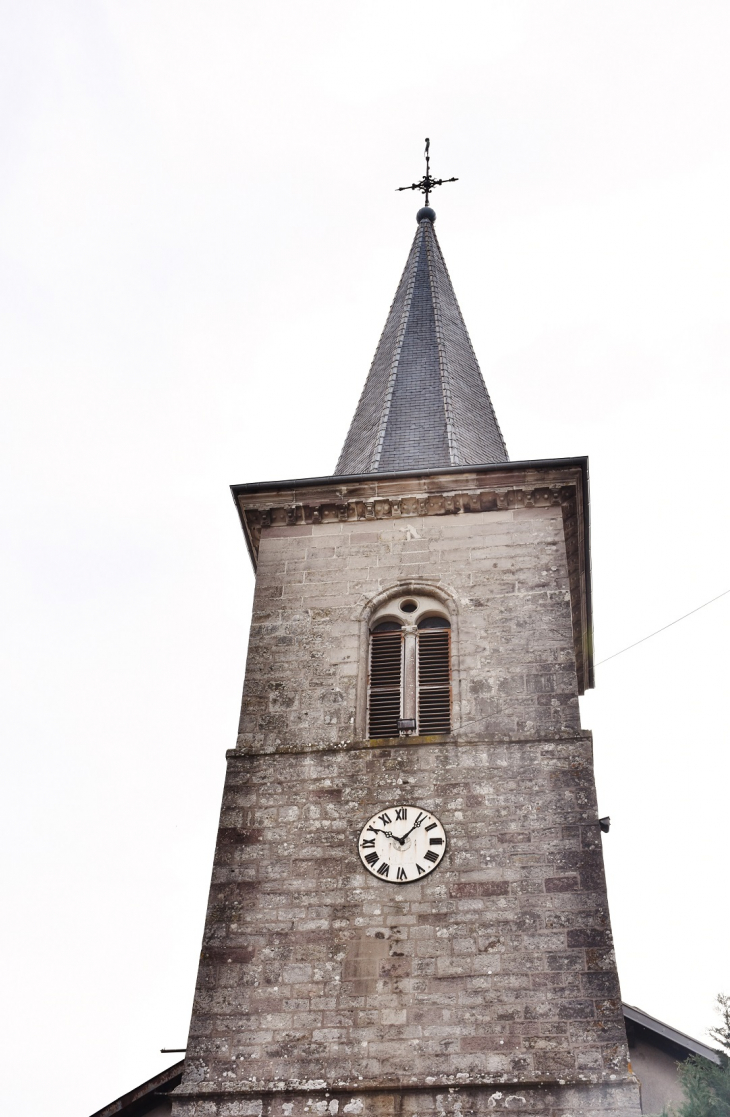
(402, 844)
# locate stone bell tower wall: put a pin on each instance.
(492, 982)
(502, 574)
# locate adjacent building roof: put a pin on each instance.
(149, 1098)
(678, 1044)
(425, 403)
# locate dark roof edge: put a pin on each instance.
(335, 478)
(637, 1016)
(130, 1102)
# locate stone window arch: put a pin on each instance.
(409, 688)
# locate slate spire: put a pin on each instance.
(425, 403)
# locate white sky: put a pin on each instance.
(199, 242)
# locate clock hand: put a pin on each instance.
(415, 826)
(386, 833)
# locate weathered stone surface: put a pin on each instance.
(614, 1100)
(505, 579)
(313, 969)
(490, 984)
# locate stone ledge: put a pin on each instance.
(458, 740)
(546, 1098)
(384, 1085)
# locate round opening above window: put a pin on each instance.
(408, 606)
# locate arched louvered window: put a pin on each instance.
(409, 678)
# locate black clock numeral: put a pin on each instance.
(420, 870)
(384, 869)
(385, 818)
(367, 842)
(371, 858)
(432, 826)
(436, 841)
(401, 814)
(373, 829)
(402, 874)
(429, 855)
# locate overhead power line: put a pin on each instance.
(663, 628)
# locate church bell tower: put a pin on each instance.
(408, 909)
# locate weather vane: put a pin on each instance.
(427, 183)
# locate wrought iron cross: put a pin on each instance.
(427, 183)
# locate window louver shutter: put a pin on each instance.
(385, 683)
(434, 680)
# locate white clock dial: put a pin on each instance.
(402, 844)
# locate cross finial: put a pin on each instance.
(427, 183)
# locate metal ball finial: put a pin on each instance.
(425, 213)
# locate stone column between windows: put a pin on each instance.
(410, 636)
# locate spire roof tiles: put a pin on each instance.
(425, 403)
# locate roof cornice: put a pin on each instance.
(580, 462)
